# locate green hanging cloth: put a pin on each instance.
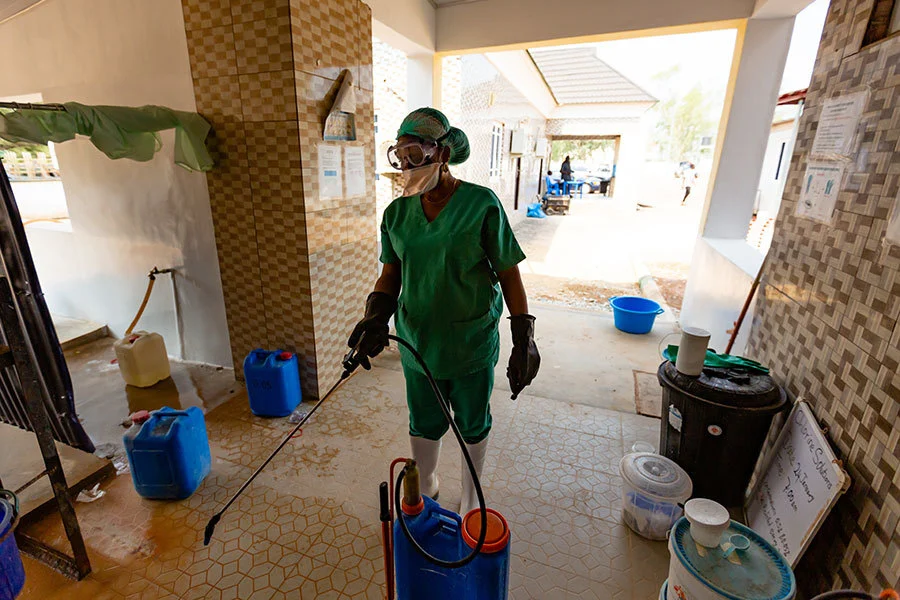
(724, 361)
(117, 131)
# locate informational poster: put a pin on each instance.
(893, 229)
(355, 174)
(838, 123)
(330, 184)
(821, 186)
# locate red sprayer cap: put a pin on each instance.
(140, 416)
(497, 536)
(285, 356)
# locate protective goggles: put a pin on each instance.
(411, 154)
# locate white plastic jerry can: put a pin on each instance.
(142, 358)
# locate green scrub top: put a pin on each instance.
(450, 301)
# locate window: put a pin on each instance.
(33, 171)
(496, 150)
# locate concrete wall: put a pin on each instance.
(722, 272)
(126, 216)
(828, 315)
(499, 22)
(475, 97)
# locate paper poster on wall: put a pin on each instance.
(838, 123)
(893, 229)
(330, 172)
(355, 174)
(821, 186)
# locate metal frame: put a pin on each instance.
(78, 565)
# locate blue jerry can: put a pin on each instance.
(169, 453)
(273, 382)
(447, 536)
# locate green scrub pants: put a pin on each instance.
(469, 397)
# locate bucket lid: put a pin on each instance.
(733, 388)
(755, 573)
(497, 536)
(656, 475)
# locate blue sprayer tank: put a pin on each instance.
(168, 452)
(273, 382)
(447, 536)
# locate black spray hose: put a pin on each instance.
(449, 564)
(843, 595)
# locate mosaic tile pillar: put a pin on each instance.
(828, 315)
(295, 270)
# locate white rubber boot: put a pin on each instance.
(469, 497)
(426, 454)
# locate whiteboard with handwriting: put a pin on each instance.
(799, 486)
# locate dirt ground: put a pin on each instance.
(604, 245)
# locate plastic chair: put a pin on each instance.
(552, 186)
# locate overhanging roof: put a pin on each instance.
(576, 75)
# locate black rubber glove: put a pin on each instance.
(525, 360)
(370, 335)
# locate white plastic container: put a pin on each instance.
(708, 520)
(142, 358)
(743, 567)
(654, 486)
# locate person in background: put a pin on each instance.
(450, 260)
(688, 179)
(565, 170)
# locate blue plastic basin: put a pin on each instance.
(12, 573)
(633, 314)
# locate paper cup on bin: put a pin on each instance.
(692, 351)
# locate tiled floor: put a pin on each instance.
(308, 527)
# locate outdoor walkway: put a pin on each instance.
(308, 527)
(605, 245)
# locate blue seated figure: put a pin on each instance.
(552, 185)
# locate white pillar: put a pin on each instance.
(749, 120)
(420, 81)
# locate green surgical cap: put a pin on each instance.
(432, 125)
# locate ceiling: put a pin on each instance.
(444, 3)
(10, 8)
(578, 76)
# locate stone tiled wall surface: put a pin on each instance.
(265, 73)
(474, 97)
(827, 315)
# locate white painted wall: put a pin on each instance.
(126, 216)
(722, 272)
(499, 22)
(411, 24)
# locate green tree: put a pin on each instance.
(681, 117)
(578, 149)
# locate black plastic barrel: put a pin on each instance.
(714, 426)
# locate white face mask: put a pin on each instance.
(421, 179)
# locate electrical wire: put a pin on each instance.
(445, 408)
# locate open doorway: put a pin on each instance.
(628, 115)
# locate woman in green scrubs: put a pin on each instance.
(450, 260)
